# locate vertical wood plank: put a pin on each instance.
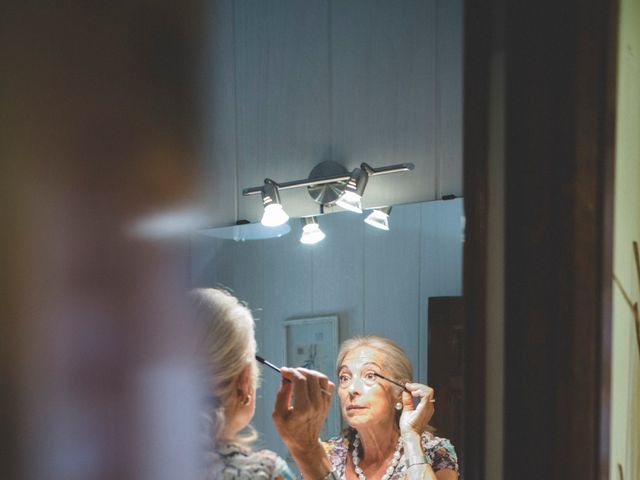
(338, 273)
(207, 258)
(448, 96)
(383, 83)
(441, 227)
(282, 66)
(392, 281)
(287, 283)
(218, 155)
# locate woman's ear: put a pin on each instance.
(244, 382)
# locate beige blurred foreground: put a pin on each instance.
(97, 135)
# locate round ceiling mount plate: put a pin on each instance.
(328, 193)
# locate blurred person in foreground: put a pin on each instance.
(387, 437)
(228, 349)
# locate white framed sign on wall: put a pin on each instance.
(313, 343)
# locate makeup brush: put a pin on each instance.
(269, 364)
(395, 382)
(272, 366)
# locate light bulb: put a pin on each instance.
(350, 201)
(379, 218)
(274, 215)
(311, 232)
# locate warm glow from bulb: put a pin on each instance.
(350, 201)
(274, 215)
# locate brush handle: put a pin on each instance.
(271, 365)
(395, 382)
(431, 400)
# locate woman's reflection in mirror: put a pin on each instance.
(387, 437)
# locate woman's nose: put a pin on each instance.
(356, 385)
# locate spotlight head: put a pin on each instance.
(351, 199)
(379, 218)
(311, 232)
(274, 214)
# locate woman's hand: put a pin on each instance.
(413, 422)
(299, 423)
(416, 419)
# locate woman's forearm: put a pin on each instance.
(312, 461)
(417, 466)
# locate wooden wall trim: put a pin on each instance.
(607, 174)
(477, 52)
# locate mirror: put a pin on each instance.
(373, 281)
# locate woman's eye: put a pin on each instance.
(344, 378)
(370, 376)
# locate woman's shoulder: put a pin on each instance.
(241, 463)
(439, 451)
(276, 464)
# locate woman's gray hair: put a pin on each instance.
(396, 361)
(227, 346)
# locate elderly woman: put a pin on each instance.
(228, 349)
(387, 437)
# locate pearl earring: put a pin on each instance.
(398, 406)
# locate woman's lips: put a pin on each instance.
(355, 407)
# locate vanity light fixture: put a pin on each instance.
(351, 199)
(329, 183)
(379, 218)
(311, 232)
(274, 214)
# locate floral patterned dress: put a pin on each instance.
(439, 452)
(235, 462)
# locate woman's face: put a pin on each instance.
(365, 400)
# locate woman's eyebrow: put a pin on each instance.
(369, 364)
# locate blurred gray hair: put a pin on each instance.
(227, 346)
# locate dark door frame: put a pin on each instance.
(477, 54)
(560, 78)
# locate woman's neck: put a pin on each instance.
(376, 443)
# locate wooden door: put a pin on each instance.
(445, 366)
